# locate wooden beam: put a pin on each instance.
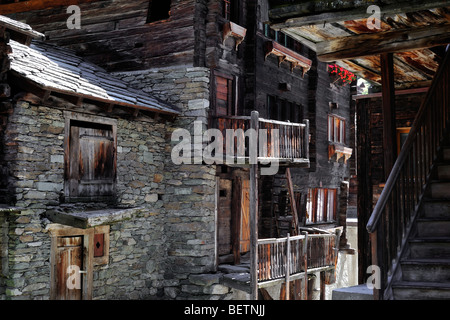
(236, 219)
(25, 6)
(388, 41)
(254, 124)
(297, 15)
(388, 105)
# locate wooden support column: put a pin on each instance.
(254, 211)
(388, 100)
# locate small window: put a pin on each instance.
(158, 10)
(321, 205)
(101, 245)
(336, 129)
(272, 109)
(231, 10)
(90, 158)
(402, 135)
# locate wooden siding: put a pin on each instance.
(115, 35)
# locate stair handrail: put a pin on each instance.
(409, 159)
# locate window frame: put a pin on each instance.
(336, 129)
(321, 205)
(231, 94)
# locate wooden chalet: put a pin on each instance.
(140, 70)
(402, 134)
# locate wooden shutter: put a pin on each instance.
(224, 95)
(92, 160)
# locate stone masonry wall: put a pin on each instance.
(189, 198)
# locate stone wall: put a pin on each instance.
(189, 196)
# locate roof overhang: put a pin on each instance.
(343, 32)
(46, 70)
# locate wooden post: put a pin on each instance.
(306, 142)
(288, 261)
(254, 212)
(236, 219)
(388, 98)
(322, 285)
(305, 261)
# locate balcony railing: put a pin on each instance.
(283, 141)
(291, 258)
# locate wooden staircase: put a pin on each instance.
(410, 225)
(425, 268)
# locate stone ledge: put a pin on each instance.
(88, 219)
(359, 292)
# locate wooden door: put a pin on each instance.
(245, 217)
(69, 261)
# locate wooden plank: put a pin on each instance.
(24, 6)
(292, 202)
(388, 104)
(236, 219)
(362, 45)
(294, 15)
(245, 217)
(254, 217)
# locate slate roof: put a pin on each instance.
(20, 27)
(59, 69)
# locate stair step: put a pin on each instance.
(444, 172)
(430, 247)
(440, 190)
(436, 209)
(433, 227)
(412, 290)
(446, 153)
(426, 270)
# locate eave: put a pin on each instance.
(414, 31)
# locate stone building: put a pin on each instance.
(88, 178)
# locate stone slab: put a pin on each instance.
(359, 292)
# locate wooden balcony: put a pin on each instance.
(281, 141)
(284, 260)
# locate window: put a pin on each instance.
(336, 129)
(90, 146)
(225, 95)
(321, 205)
(402, 135)
(158, 10)
(231, 10)
(283, 110)
(282, 38)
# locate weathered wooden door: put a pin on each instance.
(245, 217)
(69, 263)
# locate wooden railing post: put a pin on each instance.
(306, 140)
(305, 262)
(288, 262)
(254, 213)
